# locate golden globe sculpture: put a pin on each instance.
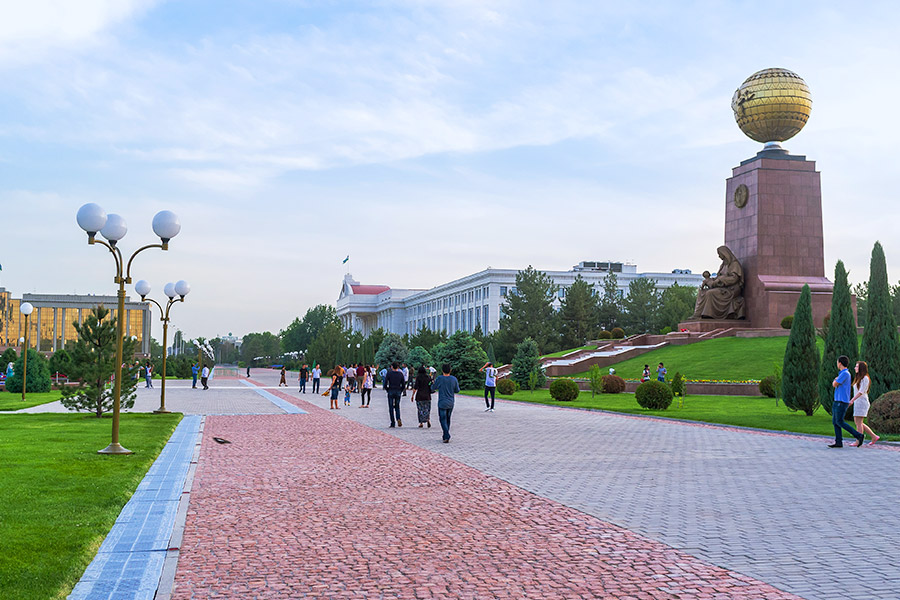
(772, 106)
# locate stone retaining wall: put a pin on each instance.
(696, 388)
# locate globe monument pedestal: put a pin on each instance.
(773, 214)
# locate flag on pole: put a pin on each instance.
(346, 259)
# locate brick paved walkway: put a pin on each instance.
(757, 504)
(318, 506)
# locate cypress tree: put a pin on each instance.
(801, 360)
(841, 338)
(880, 346)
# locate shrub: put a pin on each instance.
(526, 362)
(679, 387)
(884, 415)
(563, 390)
(653, 395)
(38, 374)
(605, 335)
(506, 386)
(787, 322)
(613, 384)
(767, 386)
(665, 330)
(595, 377)
(618, 333)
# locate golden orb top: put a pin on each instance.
(772, 105)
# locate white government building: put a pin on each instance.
(472, 300)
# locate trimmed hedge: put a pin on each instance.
(605, 335)
(618, 333)
(767, 386)
(787, 322)
(564, 390)
(506, 386)
(884, 414)
(653, 395)
(613, 384)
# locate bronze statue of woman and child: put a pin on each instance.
(722, 296)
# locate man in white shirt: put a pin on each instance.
(204, 377)
(316, 376)
(490, 385)
(405, 371)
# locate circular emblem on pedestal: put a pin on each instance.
(741, 195)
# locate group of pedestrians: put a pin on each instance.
(352, 378)
(645, 374)
(446, 386)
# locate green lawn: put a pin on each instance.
(59, 498)
(744, 411)
(733, 359)
(564, 352)
(10, 401)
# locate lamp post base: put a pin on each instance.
(114, 449)
(161, 411)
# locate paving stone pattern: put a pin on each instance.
(819, 522)
(318, 506)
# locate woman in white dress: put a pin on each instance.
(860, 401)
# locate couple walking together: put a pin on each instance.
(446, 385)
(851, 392)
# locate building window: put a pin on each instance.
(478, 294)
(503, 291)
(486, 322)
(561, 293)
(471, 324)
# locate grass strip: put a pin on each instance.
(60, 498)
(743, 411)
(11, 401)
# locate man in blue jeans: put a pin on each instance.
(446, 386)
(842, 393)
(394, 384)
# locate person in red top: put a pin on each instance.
(360, 377)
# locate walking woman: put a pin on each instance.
(367, 383)
(422, 396)
(860, 401)
(334, 389)
(283, 381)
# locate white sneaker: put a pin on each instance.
(492, 410)
(487, 410)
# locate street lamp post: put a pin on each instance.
(171, 290)
(93, 219)
(26, 309)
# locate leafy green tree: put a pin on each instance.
(595, 378)
(526, 362)
(94, 365)
(676, 304)
(579, 314)
(529, 312)
(801, 360)
(880, 346)
(465, 356)
(259, 348)
(327, 348)
(391, 350)
(297, 336)
(427, 339)
(610, 303)
(419, 357)
(861, 291)
(38, 374)
(641, 306)
(60, 362)
(841, 336)
(376, 336)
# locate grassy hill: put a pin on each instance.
(733, 359)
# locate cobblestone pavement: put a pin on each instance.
(316, 506)
(782, 509)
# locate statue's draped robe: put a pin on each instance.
(723, 299)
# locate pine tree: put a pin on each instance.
(38, 374)
(465, 356)
(526, 363)
(880, 346)
(94, 365)
(578, 315)
(392, 350)
(528, 312)
(801, 359)
(641, 306)
(841, 338)
(610, 303)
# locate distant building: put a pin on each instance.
(51, 324)
(473, 300)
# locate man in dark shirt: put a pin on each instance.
(446, 386)
(394, 385)
(304, 374)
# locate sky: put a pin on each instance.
(427, 140)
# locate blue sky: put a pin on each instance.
(427, 140)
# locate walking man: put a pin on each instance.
(204, 377)
(842, 393)
(490, 385)
(304, 373)
(248, 371)
(195, 369)
(405, 371)
(661, 373)
(394, 385)
(446, 386)
(317, 376)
